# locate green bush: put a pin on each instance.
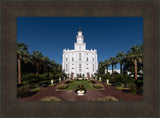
(49, 99)
(121, 79)
(34, 86)
(92, 81)
(107, 98)
(98, 86)
(68, 81)
(43, 76)
(132, 87)
(44, 83)
(36, 89)
(116, 79)
(29, 78)
(50, 76)
(140, 91)
(23, 91)
(62, 86)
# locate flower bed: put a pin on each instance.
(80, 90)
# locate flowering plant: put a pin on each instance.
(81, 88)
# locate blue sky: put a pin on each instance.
(109, 35)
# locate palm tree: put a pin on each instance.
(45, 63)
(120, 59)
(101, 68)
(107, 64)
(37, 58)
(135, 54)
(113, 62)
(22, 53)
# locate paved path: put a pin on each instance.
(90, 94)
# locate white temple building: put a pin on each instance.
(80, 61)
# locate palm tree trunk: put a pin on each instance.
(112, 68)
(19, 71)
(135, 69)
(44, 68)
(120, 67)
(47, 72)
(37, 69)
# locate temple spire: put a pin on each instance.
(80, 37)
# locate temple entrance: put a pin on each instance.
(72, 75)
(88, 76)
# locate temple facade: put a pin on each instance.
(80, 62)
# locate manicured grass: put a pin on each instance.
(120, 88)
(86, 83)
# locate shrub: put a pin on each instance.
(132, 87)
(36, 89)
(98, 86)
(23, 91)
(140, 91)
(44, 83)
(68, 81)
(49, 99)
(62, 86)
(92, 81)
(107, 98)
(43, 76)
(34, 86)
(109, 84)
(29, 78)
(50, 76)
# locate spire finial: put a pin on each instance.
(79, 29)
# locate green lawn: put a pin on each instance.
(74, 85)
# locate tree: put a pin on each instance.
(56, 69)
(45, 63)
(120, 59)
(101, 68)
(37, 59)
(22, 53)
(113, 62)
(107, 64)
(135, 54)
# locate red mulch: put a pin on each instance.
(90, 94)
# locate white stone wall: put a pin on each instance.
(73, 59)
(114, 70)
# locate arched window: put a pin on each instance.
(66, 67)
(79, 67)
(93, 67)
(79, 56)
(87, 58)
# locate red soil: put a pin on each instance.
(90, 94)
